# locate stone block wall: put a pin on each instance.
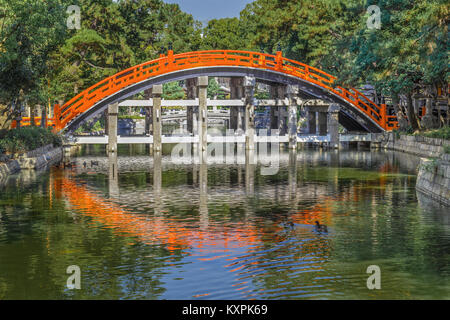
(434, 178)
(32, 160)
(434, 169)
(417, 145)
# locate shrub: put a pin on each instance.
(442, 133)
(26, 139)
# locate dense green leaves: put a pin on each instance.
(30, 30)
(173, 91)
(26, 139)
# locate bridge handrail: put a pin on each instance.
(188, 60)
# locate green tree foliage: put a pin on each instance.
(408, 52)
(173, 91)
(30, 30)
(213, 90)
(306, 30)
(116, 35)
(224, 34)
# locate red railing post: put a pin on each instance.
(56, 115)
(383, 113)
(279, 59)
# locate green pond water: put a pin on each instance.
(144, 228)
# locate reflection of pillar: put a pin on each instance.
(292, 93)
(249, 84)
(156, 93)
(250, 172)
(322, 123)
(203, 181)
(239, 176)
(312, 122)
(194, 175)
(157, 181)
(333, 125)
(334, 158)
(203, 113)
(113, 175)
(113, 111)
(333, 178)
(292, 178)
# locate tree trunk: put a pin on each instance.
(402, 122)
(410, 112)
(396, 102)
(32, 111)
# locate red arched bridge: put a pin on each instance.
(317, 84)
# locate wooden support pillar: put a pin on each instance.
(237, 114)
(312, 122)
(203, 113)
(44, 117)
(333, 125)
(157, 91)
(273, 110)
(148, 115)
(292, 92)
(279, 114)
(192, 111)
(249, 84)
(273, 118)
(113, 111)
(105, 115)
(322, 123)
(282, 120)
(18, 121)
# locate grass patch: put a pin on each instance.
(27, 139)
(441, 133)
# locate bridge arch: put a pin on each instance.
(357, 110)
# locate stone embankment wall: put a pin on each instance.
(434, 178)
(417, 145)
(35, 159)
(434, 170)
